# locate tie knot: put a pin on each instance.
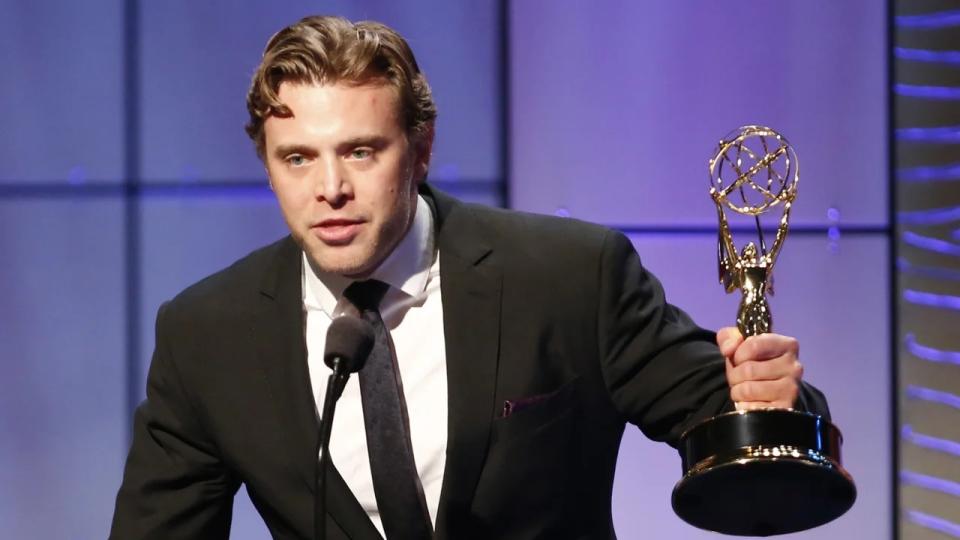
(366, 295)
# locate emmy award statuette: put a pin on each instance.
(769, 471)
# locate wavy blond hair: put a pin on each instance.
(327, 50)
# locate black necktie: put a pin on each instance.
(400, 499)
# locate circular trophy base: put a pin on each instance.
(761, 473)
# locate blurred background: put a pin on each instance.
(125, 175)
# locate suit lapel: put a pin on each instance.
(470, 287)
(346, 511)
(281, 348)
(282, 352)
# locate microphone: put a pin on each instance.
(349, 341)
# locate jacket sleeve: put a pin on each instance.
(174, 483)
(663, 372)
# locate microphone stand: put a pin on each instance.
(349, 340)
(335, 383)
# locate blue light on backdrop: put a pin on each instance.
(128, 176)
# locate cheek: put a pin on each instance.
(292, 199)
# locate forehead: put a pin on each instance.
(335, 111)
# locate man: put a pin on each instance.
(523, 343)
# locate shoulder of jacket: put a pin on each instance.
(238, 281)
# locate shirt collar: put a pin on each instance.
(406, 268)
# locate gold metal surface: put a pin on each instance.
(785, 463)
(756, 165)
(755, 454)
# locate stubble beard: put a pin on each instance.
(361, 257)
(350, 260)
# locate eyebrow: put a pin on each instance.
(285, 150)
(377, 142)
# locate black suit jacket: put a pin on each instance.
(554, 313)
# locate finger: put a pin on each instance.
(752, 405)
(728, 339)
(757, 405)
(770, 370)
(765, 347)
(783, 390)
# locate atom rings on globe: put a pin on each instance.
(753, 170)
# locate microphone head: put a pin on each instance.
(349, 339)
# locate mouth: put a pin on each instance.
(338, 231)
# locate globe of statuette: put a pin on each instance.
(753, 170)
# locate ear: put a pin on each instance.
(269, 177)
(423, 148)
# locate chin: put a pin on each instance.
(344, 264)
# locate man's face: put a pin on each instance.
(345, 172)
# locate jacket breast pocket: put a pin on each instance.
(528, 479)
(529, 416)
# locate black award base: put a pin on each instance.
(761, 473)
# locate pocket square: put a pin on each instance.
(511, 406)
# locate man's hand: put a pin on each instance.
(763, 371)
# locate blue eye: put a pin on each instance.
(296, 160)
(360, 153)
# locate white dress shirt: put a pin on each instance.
(413, 312)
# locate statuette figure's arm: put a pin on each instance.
(727, 258)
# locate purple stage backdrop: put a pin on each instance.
(617, 108)
(125, 176)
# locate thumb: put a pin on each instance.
(728, 339)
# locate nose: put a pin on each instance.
(332, 186)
